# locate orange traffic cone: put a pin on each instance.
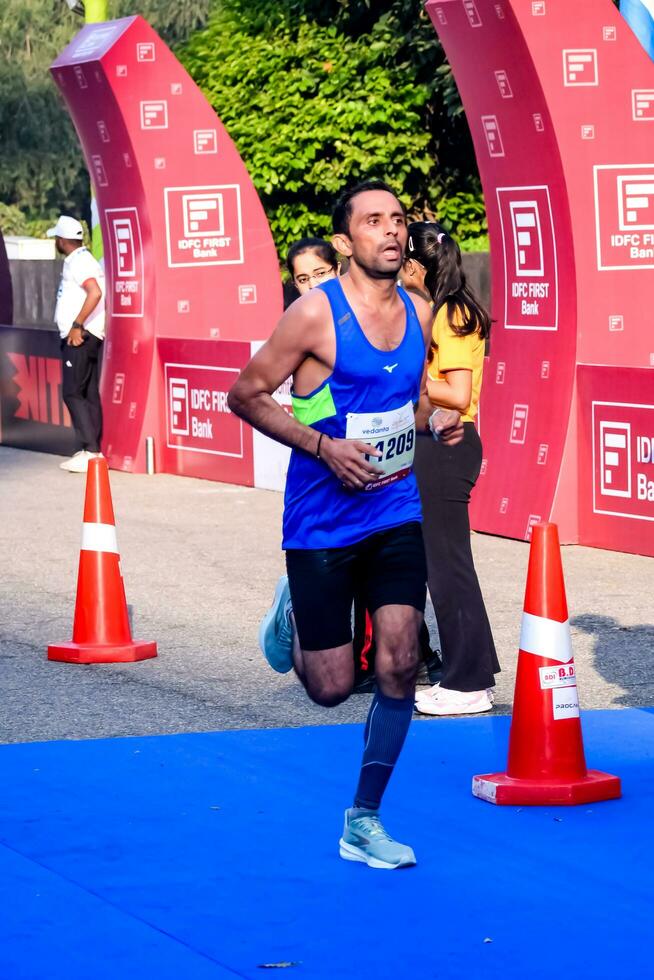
(101, 633)
(546, 752)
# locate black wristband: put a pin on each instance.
(79, 326)
(318, 456)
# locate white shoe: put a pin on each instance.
(433, 692)
(79, 463)
(446, 702)
(430, 693)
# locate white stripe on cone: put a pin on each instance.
(99, 537)
(546, 638)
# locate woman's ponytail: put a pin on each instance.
(445, 279)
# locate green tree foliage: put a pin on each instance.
(40, 164)
(174, 21)
(14, 222)
(42, 171)
(315, 93)
(320, 94)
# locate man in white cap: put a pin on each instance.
(79, 315)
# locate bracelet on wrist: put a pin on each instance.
(320, 438)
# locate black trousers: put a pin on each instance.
(81, 372)
(446, 476)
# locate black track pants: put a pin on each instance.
(446, 476)
(80, 390)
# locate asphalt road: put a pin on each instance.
(200, 562)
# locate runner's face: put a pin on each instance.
(309, 270)
(378, 233)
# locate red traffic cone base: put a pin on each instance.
(97, 653)
(500, 788)
(101, 631)
(546, 764)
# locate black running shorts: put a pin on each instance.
(386, 568)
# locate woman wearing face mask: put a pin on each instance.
(447, 474)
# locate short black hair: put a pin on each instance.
(322, 248)
(343, 208)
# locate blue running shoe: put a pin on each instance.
(364, 839)
(276, 630)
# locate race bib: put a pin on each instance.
(393, 434)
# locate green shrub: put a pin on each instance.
(317, 96)
(315, 93)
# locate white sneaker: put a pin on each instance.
(79, 463)
(433, 692)
(442, 701)
(430, 693)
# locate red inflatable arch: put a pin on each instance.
(559, 97)
(192, 273)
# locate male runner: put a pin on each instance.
(356, 349)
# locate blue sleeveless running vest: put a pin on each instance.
(369, 397)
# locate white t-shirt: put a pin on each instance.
(78, 267)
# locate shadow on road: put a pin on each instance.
(623, 656)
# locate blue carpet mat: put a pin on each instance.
(209, 855)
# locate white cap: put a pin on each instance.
(66, 227)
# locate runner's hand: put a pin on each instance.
(347, 460)
(447, 426)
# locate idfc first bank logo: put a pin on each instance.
(127, 254)
(197, 413)
(203, 225)
(624, 216)
(530, 265)
(623, 460)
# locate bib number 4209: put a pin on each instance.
(393, 446)
(393, 434)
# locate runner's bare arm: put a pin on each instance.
(449, 426)
(300, 333)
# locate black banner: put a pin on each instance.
(32, 412)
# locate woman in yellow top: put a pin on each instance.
(447, 474)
